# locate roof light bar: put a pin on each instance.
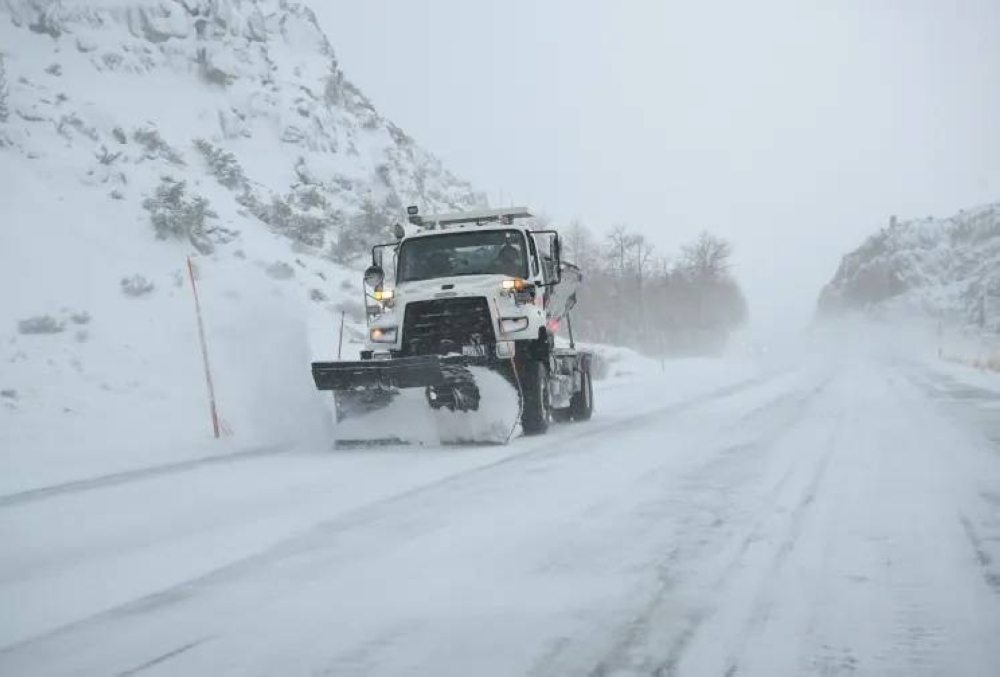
(478, 217)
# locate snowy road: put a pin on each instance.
(837, 519)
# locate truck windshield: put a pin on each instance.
(486, 252)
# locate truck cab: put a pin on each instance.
(475, 283)
(472, 289)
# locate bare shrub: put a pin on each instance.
(136, 286)
(112, 60)
(40, 324)
(286, 216)
(155, 146)
(106, 157)
(280, 270)
(174, 215)
(223, 165)
(73, 122)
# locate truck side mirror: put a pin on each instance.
(557, 255)
(551, 261)
(374, 276)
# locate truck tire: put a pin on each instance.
(535, 398)
(581, 407)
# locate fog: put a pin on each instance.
(794, 129)
(223, 453)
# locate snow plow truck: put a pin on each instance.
(470, 289)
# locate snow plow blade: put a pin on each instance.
(449, 383)
(363, 387)
(403, 372)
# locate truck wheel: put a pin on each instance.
(581, 407)
(535, 398)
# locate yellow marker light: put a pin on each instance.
(516, 284)
(383, 294)
(383, 335)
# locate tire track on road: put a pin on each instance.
(129, 476)
(983, 557)
(163, 658)
(152, 472)
(625, 652)
(760, 609)
(764, 600)
(379, 509)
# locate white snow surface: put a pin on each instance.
(120, 384)
(827, 511)
(824, 509)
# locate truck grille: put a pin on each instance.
(443, 326)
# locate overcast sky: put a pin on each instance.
(793, 128)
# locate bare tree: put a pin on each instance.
(707, 258)
(579, 245)
(688, 304)
(642, 256)
(619, 244)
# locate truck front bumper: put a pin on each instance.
(422, 371)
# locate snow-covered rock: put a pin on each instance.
(946, 269)
(139, 132)
(139, 81)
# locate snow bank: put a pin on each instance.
(100, 368)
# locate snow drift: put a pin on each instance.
(138, 133)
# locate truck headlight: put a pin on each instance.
(509, 325)
(521, 290)
(383, 334)
(383, 294)
(515, 284)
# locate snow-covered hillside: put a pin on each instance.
(948, 269)
(141, 131)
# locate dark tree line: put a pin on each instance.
(686, 305)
